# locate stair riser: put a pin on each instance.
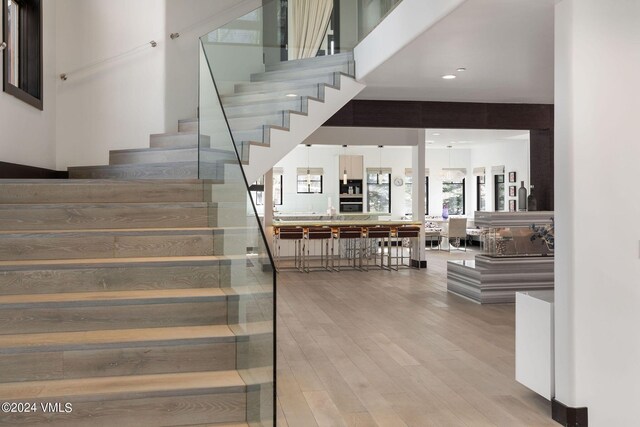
(247, 123)
(119, 360)
(329, 79)
(25, 320)
(105, 279)
(79, 246)
(267, 108)
(188, 140)
(99, 192)
(102, 217)
(256, 135)
(319, 61)
(135, 411)
(302, 73)
(312, 90)
(154, 156)
(188, 126)
(186, 170)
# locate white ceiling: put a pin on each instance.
(436, 138)
(467, 138)
(507, 47)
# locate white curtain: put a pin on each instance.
(309, 20)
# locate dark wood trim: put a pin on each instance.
(537, 118)
(451, 115)
(15, 171)
(567, 416)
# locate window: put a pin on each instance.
(379, 190)
(258, 196)
(278, 189)
(499, 193)
(408, 195)
(481, 193)
(22, 31)
(310, 181)
(453, 196)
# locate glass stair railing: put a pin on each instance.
(247, 86)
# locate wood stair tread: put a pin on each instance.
(110, 231)
(135, 385)
(159, 295)
(106, 338)
(114, 262)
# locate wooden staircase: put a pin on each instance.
(122, 299)
(131, 291)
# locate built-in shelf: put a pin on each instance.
(351, 196)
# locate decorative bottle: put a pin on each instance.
(532, 203)
(522, 198)
(445, 212)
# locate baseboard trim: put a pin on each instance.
(418, 264)
(567, 416)
(15, 171)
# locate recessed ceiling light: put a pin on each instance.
(449, 76)
(431, 142)
(436, 134)
(291, 95)
(461, 69)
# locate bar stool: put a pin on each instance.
(350, 239)
(324, 235)
(378, 236)
(405, 232)
(296, 235)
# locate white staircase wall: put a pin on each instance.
(119, 103)
(404, 24)
(282, 142)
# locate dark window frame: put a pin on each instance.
(464, 195)
(298, 181)
(256, 193)
(426, 195)
(30, 54)
(369, 183)
(480, 181)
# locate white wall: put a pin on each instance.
(118, 104)
(192, 19)
(597, 292)
(27, 135)
(514, 155)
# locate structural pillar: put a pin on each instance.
(418, 194)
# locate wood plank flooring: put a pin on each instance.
(395, 349)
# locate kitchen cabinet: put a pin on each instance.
(354, 165)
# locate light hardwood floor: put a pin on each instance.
(395, 349)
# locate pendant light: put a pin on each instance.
(380, 147)
(450, 175)
(308, 167)
(344, 173)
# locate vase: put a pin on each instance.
(522, 198)
(445, 213)
(532, 202)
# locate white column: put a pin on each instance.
(597, 289)
(418, 192)
(268, 204)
